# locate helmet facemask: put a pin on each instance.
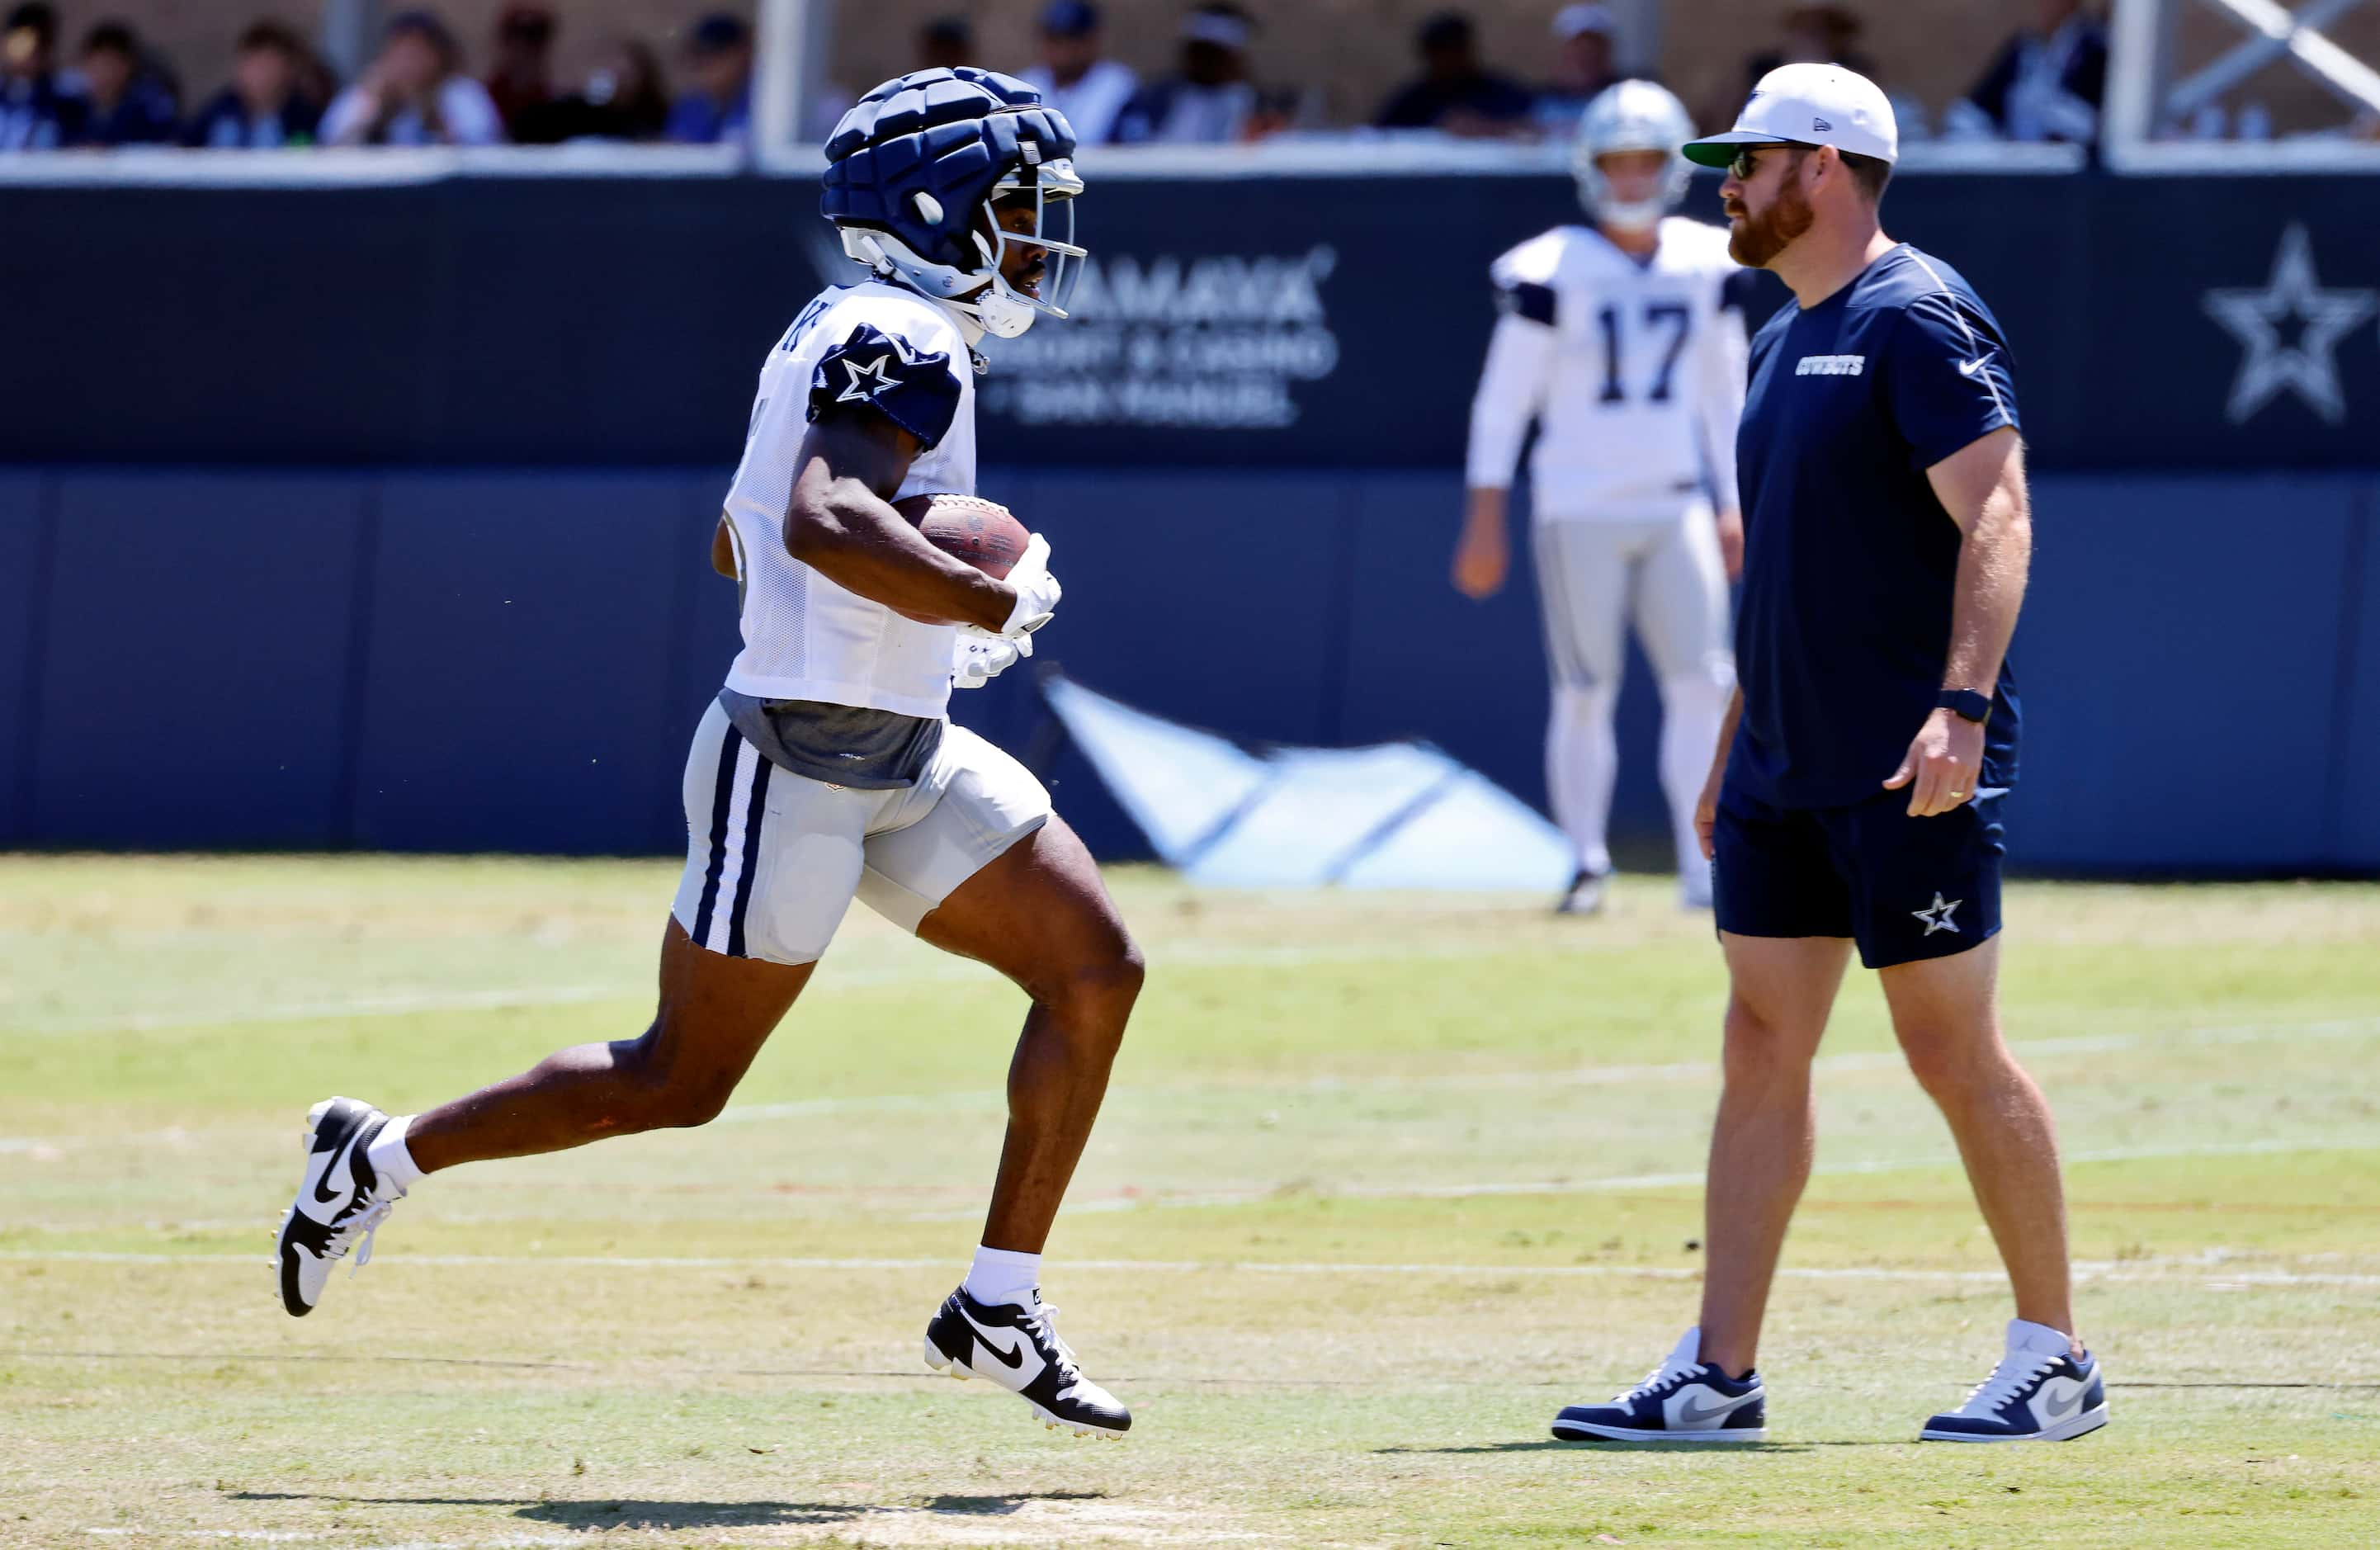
(1005, 310)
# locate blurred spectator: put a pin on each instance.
(415, 94)
(1089, 90)
(623, 99)
(267, 105)
(1455, 93)
(1212, 102)
(1585, 36)
(945, 43)
(523, 77)
(719, 57)
(2047, 84)
(129, 104)
(38, 111)
(1814, 35)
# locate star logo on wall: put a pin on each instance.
(2321, 318)
(1937, 916)
(867, 381)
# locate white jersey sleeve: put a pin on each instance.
(1721, 349)
(892, 352)
(1519, 367)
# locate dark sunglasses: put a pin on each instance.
(1743, 165)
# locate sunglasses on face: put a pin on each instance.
(1746, 162)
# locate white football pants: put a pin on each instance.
(1595, 579)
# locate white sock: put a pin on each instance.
(1002, 1276)
(389, 1159)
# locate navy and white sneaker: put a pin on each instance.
(1018, 1349)
(2041, 1392)
(1684, 1400)
(340, 1202)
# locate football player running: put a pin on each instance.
(1625, 341)
(827, 769)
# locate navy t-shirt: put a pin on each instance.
(1850, 560)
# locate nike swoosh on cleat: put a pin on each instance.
(1008, 1358)
(1012, 1358)
(323, 1194)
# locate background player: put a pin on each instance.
(1625, 341)
(1870, 752)
(826, 768)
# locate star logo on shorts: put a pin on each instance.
(1937, 916)
(867, 381)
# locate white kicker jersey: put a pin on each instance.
(1634, 372)
(805, 638)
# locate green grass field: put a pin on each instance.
(1384, 1182)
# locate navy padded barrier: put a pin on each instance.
(2356, 767)
(1204, 595)
(2178, 679)
(194, 689)
(1428, 662)
(519, 687)
(21, 521)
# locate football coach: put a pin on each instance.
(1856, 797)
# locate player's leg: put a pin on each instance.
(1040, 915)
(989, 873)
(1582, 580)
(1681, 615)
(772, 863)
(1930, 926)
(715, 1013)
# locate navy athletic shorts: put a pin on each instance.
(1904, 888)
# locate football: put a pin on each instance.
(984, 533)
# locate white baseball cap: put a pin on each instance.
(1808, 105)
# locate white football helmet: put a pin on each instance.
(1633, 115)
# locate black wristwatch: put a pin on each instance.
(1966, 704)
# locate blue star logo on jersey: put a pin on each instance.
(2306, 368)
(867, 381)
(1938, 915)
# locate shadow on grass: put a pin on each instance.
(1557, 1446)
(604, 1513)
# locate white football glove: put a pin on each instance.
(1037, 590)
(978, 656)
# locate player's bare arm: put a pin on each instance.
(841, 523)
(1982, 486)
(723, 549)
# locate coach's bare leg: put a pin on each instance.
(1040, 915)
(715, 1014)
(1780, 990)
(1946, 1013)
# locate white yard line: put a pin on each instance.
(928, 967)
(2212, 1266)
(1585, 1076)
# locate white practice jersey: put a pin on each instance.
(1634, 372)
(805, 638)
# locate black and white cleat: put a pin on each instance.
(1018, 1349)
(339, 1202)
